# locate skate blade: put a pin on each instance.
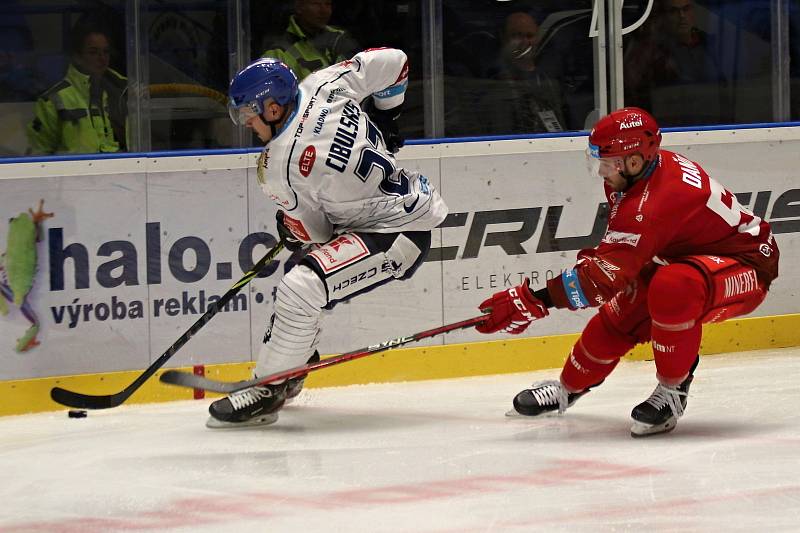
(513, 413)
(639, 429)
(263, 420)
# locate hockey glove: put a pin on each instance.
(386, 121)
(511, 310)
(291, 242)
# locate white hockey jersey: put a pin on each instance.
(328, 168)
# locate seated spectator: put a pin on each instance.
(19, 80)
(309, 43)
(535, 103)
(86, 111)
(670, 61)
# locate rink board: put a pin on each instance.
(408, 364)
(138, 247)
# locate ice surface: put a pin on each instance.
(435, 456)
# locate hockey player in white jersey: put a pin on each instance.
(330, 169)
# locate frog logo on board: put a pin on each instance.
(18, 271)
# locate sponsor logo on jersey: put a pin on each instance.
(741, 283)
(307, 160)
(633, 123)
(345, 138)
(340, 252)
(616, 199)
(410, 208)
(599, 299)
(321, 120)
(306, 114)
(352, 280)
(642, 201)
(765, 249)
(261, 166)
(619, 237)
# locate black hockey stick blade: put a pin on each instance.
(186, 379)
(107, 401)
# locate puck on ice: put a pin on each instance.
(77, 413)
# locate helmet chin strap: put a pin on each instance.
(630, 179)
(273, 124)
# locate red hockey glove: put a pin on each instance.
(512, 310)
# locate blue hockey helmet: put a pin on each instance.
(262, 79)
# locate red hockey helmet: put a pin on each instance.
(625, 132)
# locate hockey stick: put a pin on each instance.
(90, 401)
(186, 379)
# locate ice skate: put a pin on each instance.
(544, 397)
(661, 411)
(256, 406)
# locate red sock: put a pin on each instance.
(676, 298)
(675, 352)
(594, 356)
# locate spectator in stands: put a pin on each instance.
(309, 43)
(535, 103)
(670, 61)
(86, 111)
(19, 80)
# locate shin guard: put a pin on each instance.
(594, 356)
(677, 297)
(294, 332)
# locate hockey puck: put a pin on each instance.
(77, 413)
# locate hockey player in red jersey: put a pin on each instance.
(679, 251)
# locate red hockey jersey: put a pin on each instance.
(676, 212)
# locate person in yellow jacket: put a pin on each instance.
(86, 111)
(309, 43)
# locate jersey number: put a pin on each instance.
(724, 203)
(371, 160)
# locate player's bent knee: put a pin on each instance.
(301, 292)
(677, 294)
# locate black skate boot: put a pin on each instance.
(256, 406)
(661, 411)
(544, 397)
(295, 385)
